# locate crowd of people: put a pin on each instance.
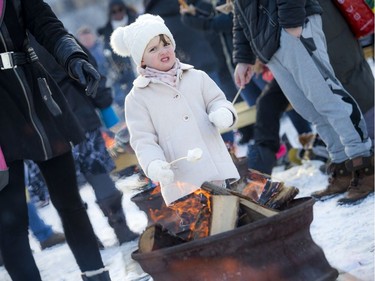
(169, 75)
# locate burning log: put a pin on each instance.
(157, 237)
(224, 213)
(255, 209)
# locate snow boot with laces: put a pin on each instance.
(338, 181)
(362, 183)
(112, 209)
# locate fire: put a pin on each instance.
(189, 217)
(109, 141)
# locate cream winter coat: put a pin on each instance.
(165, 122)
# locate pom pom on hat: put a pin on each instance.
(132, 40)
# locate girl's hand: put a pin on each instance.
(295, 31)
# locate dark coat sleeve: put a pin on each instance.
(242, 51)
(48, 30)
(291, 13)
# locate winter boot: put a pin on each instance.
(362, 183)
(338, 181)
(55, 239)
(102, 276)
(112, 209)
(261, 158)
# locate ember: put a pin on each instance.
(189, 214)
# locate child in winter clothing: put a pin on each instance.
(172, 109)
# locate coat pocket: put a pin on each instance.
(46, 94)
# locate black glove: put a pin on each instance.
(86, 75)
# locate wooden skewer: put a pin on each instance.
(237, 94)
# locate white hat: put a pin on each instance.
(132, 40)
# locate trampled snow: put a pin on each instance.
(345, 233)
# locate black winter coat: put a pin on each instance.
(35, 120)
(84, 107)
(257, 25)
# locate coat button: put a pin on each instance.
(186, 118)
(176, 96)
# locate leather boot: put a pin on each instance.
(104, 276)
(362, 183)
(338, 181)
(112, 209)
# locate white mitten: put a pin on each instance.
(160, 171)
(222, 118)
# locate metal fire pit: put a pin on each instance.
(273, 249)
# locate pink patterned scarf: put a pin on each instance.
(169, 77)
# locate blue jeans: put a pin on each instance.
(40, 230)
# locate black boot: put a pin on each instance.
(112, 209)
(104, 276)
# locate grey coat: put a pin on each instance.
(165, 122)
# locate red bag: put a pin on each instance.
(358, 15)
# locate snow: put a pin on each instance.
(345, 233)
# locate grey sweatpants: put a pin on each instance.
(308, 81)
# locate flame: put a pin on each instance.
(109, 141)
(190, 214)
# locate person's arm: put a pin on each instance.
(49, 31)
(242, 52)
(292, 15)
(243, 55)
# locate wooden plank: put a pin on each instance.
(156, 237)
(246, 116)
(247, 201)
(224, 213)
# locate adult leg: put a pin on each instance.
(60, 176)
(14, 239)
(349, 63)
(333, 111)
(270, 106)
(38, 227)
(95, 164)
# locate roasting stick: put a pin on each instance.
(192, 156)
(237, 94)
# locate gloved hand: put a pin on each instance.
(86, 75)
(222, 118)
(160, 171)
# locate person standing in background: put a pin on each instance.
(36, 123)
(91, 157)
(121, 72)
(293, 46)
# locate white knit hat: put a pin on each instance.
(132, 40)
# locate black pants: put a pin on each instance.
(271, 104)
(60, 177)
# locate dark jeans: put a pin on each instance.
(271, 104)
(60, 177)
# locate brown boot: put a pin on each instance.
(362, 183)
(338, 181)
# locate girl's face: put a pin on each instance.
(159, 54)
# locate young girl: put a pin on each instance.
(172, 109)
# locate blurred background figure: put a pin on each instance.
(89, 39)
(121, 71)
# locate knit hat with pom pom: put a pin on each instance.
(132, 40)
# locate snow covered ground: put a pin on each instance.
(345, 233)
